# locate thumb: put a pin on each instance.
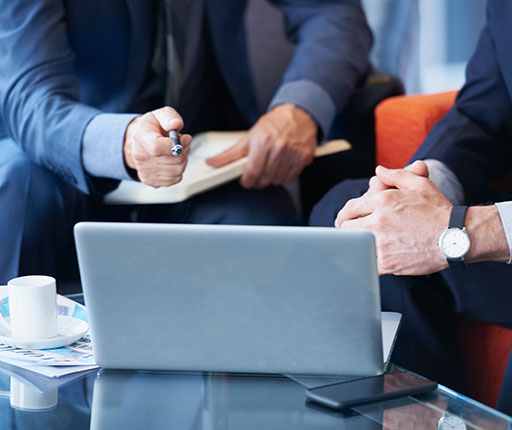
(233, 153)
(168, 118)
(419, 168)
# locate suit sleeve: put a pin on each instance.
(333, 42)
(473, 139)
(39, 93)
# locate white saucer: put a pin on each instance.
(70, 330)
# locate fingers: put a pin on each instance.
(148, 148)
(419, 168)
(253, 176)
(399, 178)
(151, 144)
(283, 164)
(168, 119)
(231, 154)
(158, 142)
(376, 185)
(355, 208)
(165, 158)
(273, 161)
(163, 171)
(280, 145)
(355, 224)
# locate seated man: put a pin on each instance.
(409, 211)
(86, 90)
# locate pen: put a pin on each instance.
(176, 146)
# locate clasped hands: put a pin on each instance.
(407, 214)
(278, 147)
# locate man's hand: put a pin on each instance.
(147, 148)
(407, 214)
(418, 168)
(278, 147)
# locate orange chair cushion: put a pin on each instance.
(403, 122)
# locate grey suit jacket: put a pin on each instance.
(70, 69)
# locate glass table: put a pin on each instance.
(109, 399)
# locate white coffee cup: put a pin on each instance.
(32, 307)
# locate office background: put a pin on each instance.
(448, 33)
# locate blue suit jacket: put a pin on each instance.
(65, 61)
(475, 138)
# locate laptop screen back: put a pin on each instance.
(231, 298)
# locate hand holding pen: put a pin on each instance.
(154, 149)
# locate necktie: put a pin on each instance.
(170, 46)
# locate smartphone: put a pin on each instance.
(373, 389)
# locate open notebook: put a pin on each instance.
(198, 176)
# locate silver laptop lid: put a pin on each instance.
(231, 298)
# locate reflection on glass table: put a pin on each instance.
(207, 401)
(113, 399)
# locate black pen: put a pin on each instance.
(176, 145)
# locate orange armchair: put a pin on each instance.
(401, 125)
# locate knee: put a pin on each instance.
(14, 177)
(271, 206)
(325, 211)
(233, 204)
(15, 173)
(15, 180)
(31, 196)
(52, 204)
(24, 182)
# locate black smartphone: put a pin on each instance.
(367, 390)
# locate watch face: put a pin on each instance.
(451, 422)
(454, 243)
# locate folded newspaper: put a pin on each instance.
(77, 357)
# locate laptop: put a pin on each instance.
(252, 299)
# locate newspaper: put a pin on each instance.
(54, 362)
(40, 382)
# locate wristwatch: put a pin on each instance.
(454, 243)
(451, 422)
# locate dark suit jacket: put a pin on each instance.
(475, 141)
(475, 138)
(65, 61)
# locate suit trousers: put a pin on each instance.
(427, 342)
(39, 211)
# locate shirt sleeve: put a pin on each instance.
(332, 44)
(308, 96)
(445, 181)
(102, 146)
(505, 211)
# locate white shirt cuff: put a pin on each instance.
(102, 145)
(311, 97)
(505, 211)
(445, 181)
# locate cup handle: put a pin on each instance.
(5, 394)
(3, 322)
